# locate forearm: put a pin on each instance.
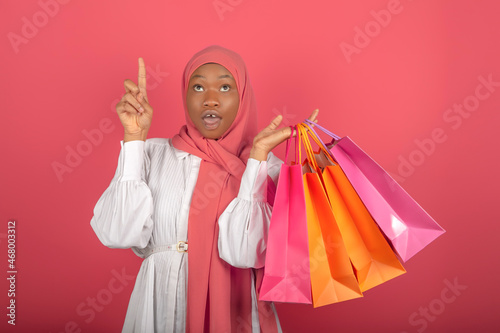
(122, 216)
(258, 154)
(244, 223)
(136, 136)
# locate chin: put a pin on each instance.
(209, 134)
(213, 134)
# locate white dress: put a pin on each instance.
(146, 208)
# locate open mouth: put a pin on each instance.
(211, 120)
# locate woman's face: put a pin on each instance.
(212, 100)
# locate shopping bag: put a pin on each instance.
(332, 275)
(286, 272)
(371, 255)
(403, 221)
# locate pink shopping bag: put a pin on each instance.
(286, 271)
(403, 221)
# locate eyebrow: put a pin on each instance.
(220, 77)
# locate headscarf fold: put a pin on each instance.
(219, 295)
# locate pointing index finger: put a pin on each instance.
(142, 77)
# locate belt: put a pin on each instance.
(181, 247)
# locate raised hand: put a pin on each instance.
(133, 109)
(270, 137)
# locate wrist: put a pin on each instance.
(135, 136)
(258, 154)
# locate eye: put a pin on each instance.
(225, 87)
(197, 87)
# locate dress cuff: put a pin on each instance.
(133, 159)
(253, 185)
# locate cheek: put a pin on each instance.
(190, 104)
(233, 104)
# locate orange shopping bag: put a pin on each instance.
(371, 255)
(332, 275)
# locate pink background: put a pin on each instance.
(62, 79)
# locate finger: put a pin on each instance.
(313, 115)
(289, 132)
(130, 99)
(312, 118)
(275, 123)
(131, 87)
(142, 78)
(125, 107)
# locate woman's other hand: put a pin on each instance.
(133, 109)
(270, 137)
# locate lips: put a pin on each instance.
(211, 119)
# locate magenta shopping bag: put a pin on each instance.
(404, 222)
(286, 271)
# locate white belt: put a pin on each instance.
(181, 246)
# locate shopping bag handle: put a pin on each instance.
(336, 137)
(288, 144)
(318, 141)
(307, 145)
(297, 147)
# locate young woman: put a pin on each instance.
(199, 203)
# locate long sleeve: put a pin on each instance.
(122, 216)
(244, 225)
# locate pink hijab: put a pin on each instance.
(219, 295)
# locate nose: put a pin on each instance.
(211, 99)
